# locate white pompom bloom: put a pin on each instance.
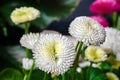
(54, 53)
(28, 40)
(112, 41)
(24, 14)
(27, 63)
(87, 30)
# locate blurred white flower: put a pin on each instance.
(95, 54)
(24, 14)
(54, 53)
(16, 51)
(112, 41)
(86, 64)
(111, 76)
(87, 30)
(49, 31)
(27, 63)
(28, 40)
(78, 69)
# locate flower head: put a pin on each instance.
(27, 63)
(28, 40)
(101, 20)
(111, 76)
(112, 41)
(87, 30)
(118, 1)
(95, 54)
(54, 53)
(104, 6)
(24, 14)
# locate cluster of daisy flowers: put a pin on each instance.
(55, 53)
(100, 42)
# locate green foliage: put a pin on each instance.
(39, 75)
(105, 66)
(10, 74)
(97, 74)
(50, 9)
(91, 74)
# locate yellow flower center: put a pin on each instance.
(94, 53)
(53, 48)
(21, 13)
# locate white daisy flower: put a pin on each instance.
(28, 40)
(54, 53)
(24, 14)
(112, 41)
(27, 63)
(87, 30)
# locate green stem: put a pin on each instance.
(54, 77)
(118, 23)
(45, 76)
(89, 70)
(114, 19)
(27, 53)
(26, 31)
(25, 77)
(26, 28)
(78, 50)
(77, 46)
(5, 31)
(30, 72)
(63, 77)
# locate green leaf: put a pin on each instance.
(50, 10)
(100, 77)
(91, 74)
(97, 74)
(10, 74)
(105, 65)
(38, 75)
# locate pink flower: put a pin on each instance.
(104, 6)
(118, 1)
(101, 20)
